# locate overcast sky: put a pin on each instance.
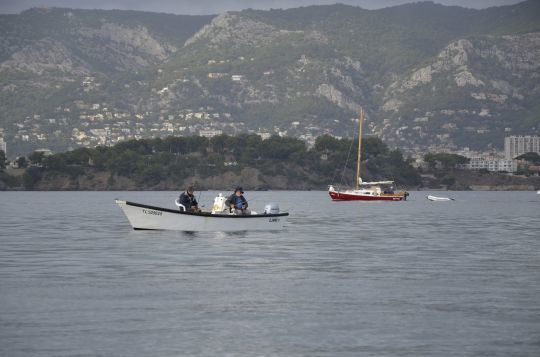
(200, 7)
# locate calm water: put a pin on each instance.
(413, 278)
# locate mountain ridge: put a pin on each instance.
(313, 65)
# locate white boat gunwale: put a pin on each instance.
(202, 214)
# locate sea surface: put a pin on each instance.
(414, 278)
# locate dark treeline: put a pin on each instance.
(148, 162)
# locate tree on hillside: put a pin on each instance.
(36, 158)
(281, 148)
(55, 162)
(531, 157)
(327, 143)
(2, 160)
(374, 147)
(21, 162)
(444, 161)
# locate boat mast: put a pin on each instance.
(359, 148)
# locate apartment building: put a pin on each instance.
(492, 165)
(519, 145)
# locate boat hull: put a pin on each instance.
(142, 216)
(351, 196)
(437, 199)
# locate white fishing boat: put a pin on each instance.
(146, 217)
(435, 198)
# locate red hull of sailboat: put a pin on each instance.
(340, 196)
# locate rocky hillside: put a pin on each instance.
(473, 91)
(428, 75)
(45, 54)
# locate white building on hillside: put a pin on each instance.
(45, 152)
(519, 145)
(264, 136)
(497, 165)
(210, 133)
(3, 146)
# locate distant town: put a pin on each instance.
(87, 124)
(102, 126)
(84, 124)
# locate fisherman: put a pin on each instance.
(237, 202)
(187, 199)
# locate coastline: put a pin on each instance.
(252, 179)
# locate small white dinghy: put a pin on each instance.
(435, 198)
(142, 216)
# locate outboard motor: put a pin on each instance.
(271, 208)
(219, 204)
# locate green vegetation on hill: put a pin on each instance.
(444, 161)
(410, 33)
(224, 161)
(175, 160)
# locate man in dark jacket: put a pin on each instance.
(237, 202)
(188, 200)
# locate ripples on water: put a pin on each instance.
(383, 279)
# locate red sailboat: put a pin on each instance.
(367, 191)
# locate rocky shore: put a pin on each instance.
(252, 179)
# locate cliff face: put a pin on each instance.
(79, 47)
(473, 87)
(464, 63)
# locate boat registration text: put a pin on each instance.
(152, 212)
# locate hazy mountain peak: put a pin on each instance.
(235, 29)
